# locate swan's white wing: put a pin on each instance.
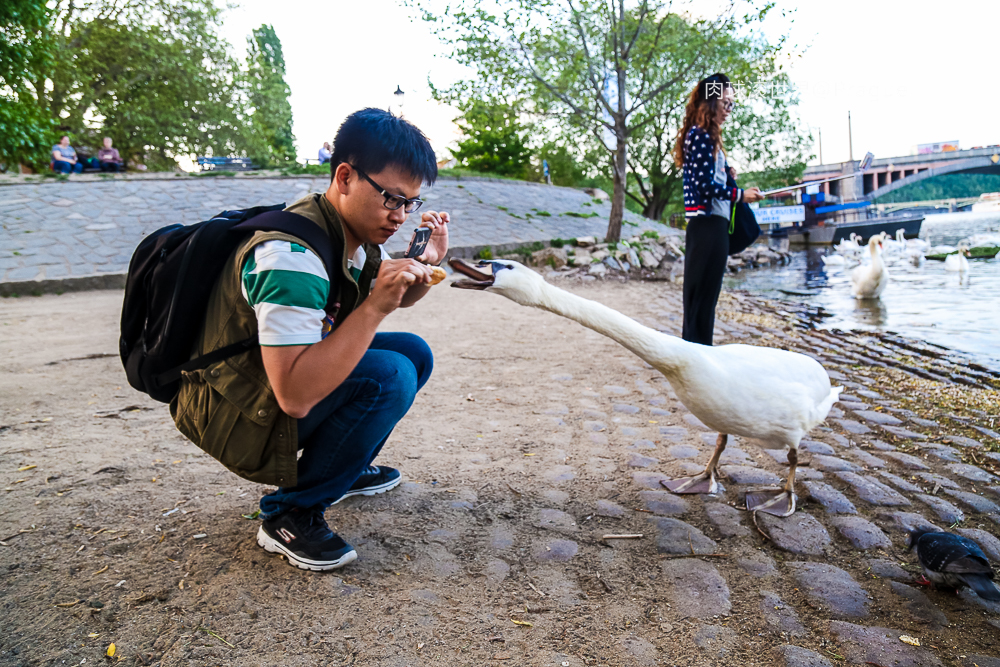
(757, 392)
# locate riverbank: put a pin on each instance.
(924, 301)
(534, 439)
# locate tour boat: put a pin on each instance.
(988, 201)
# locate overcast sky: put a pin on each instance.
(909, 73)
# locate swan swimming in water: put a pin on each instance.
(772, 395)
(849, 245)
(833, 260)
(957, 261)
(870, 280)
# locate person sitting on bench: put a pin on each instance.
(108, 158)
(64, 158)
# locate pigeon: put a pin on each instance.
(954, 561)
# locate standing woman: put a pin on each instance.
(707, 203)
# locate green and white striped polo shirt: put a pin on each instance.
(287, 285)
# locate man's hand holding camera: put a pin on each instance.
(437, 246)
(402, 282)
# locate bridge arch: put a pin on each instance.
(975, 165)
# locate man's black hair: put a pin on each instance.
(372, 139)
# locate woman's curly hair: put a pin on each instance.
(702, 110)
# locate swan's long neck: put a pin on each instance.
(664, 352)
(876, 258)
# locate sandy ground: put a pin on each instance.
(117, 530)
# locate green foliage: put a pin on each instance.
(24, 51)
(26, 130)
(946, 186)
(775, 177)
(761, 134)
(485, 253)
(459, 173)
(26, 133)
(565, 168)
(270, 141)
(525, 250)
(153, 75)
(574, 214)
(605, 82)
(494, 142)
(296, 169)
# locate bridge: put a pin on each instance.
(889, 174)
(931, 205)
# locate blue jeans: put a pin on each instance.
(345, 431)
(61, 167)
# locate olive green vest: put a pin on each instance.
(229, 409)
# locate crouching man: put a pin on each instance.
(321, 382)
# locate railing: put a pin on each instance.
(226, 164)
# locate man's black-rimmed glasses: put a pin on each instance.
(392, 202)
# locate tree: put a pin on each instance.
(590, 64)
(270, 140)
(151, 74)
(608, 79)
(761, 136)
(565, 168)
(947, 186)
(494, 140)
(25, 54)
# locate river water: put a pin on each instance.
(924, 302)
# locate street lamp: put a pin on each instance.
(398, 95)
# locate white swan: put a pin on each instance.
(957, 261)
(917, 244)
(894, 246)
(833, 260)
(755, 392)
(870, 280)
(849, 245)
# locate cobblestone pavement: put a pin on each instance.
(511, 527)
(74, 229)
(875, 469)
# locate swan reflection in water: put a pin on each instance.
(871, 311)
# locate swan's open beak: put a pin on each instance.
(479, 280)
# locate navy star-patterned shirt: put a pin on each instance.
(705, 191)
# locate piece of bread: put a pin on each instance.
(437, 275)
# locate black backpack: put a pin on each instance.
(170, 278)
